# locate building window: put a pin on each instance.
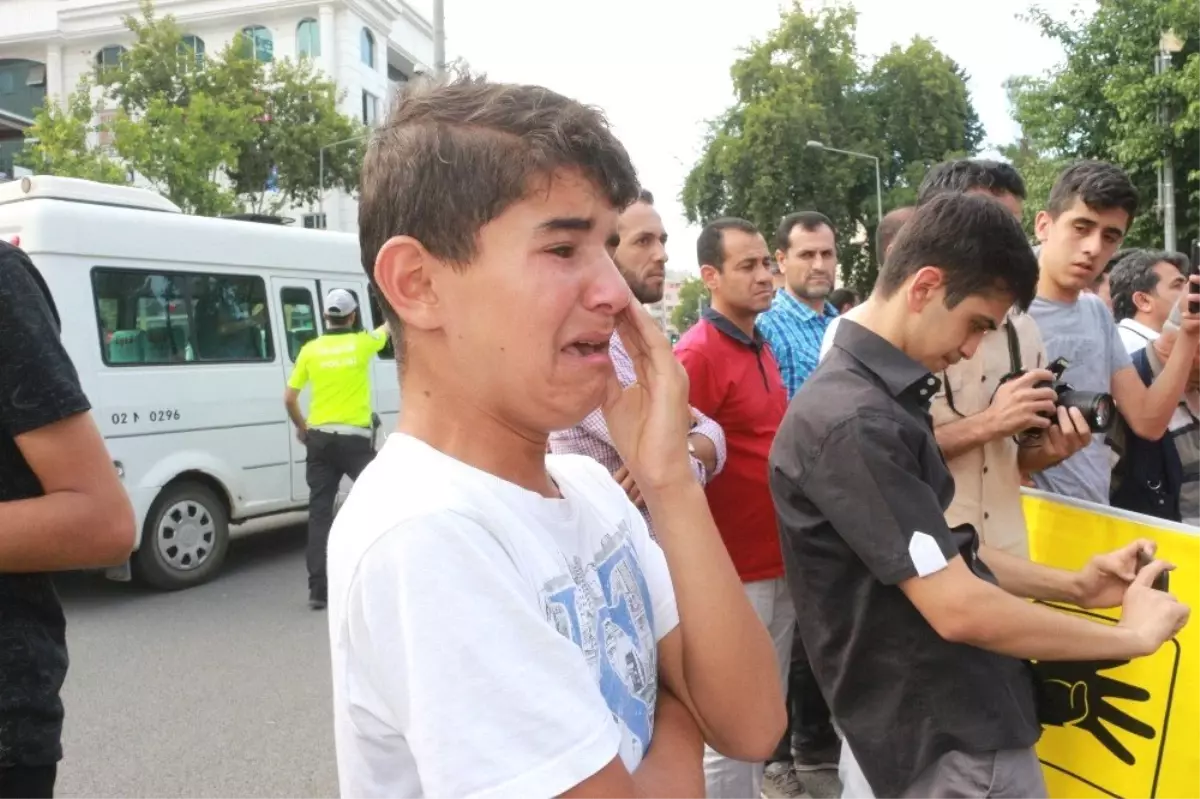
(7, 83)
(308, 38)
(299, 319)
(388, 353)
(109, 57)
(258, 43)
(194, 45)
(367, 48)
(314, 221)
(36, 75)
(370, 108)
(175, 318)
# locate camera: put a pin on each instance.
(1096, 407)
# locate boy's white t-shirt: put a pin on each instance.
(488, 641)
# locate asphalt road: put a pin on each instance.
(221, 690)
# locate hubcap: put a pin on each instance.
(186, 535)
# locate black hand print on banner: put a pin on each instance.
(1075, 694)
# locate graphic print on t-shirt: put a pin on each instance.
(604, 607)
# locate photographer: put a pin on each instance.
(1162, 478)
(977, 413)
(1088, 213)
(917, 633)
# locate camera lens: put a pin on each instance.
(1096, 407)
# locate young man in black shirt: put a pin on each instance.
(917, 634)
(61, 507)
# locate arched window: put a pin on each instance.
(367, 48)
(195, 46)
(308, 38)
(109, 56)
(258, 43)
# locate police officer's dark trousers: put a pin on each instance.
(331, 456)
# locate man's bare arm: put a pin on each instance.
(84, 519)
(963, 435)
(291, 400)
(965, 609)
(1024, 578)
(720, 661)
(673, 765)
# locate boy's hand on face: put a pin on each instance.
(650, 419)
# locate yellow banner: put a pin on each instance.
(1128, 729)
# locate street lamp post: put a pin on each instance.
(321, 172)
(1168, 44)
(816, 145)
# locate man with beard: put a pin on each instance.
(806, 252)
(639, 250)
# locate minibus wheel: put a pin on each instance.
(185, 539)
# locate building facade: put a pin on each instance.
(662, 310)
(368, 47)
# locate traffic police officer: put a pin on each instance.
(338, 431)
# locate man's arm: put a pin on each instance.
(879, 518)
(1148, 410)
(291, 395)
(708, 440)
(673, 765)
(83, 520)
(1017, 407)
(291, 400)
(719, 661)
(965, 609)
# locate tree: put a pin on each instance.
(691, 293)
(804, 82)
(300, 117)
(222, 132)
(57, 142)
(1103, 102)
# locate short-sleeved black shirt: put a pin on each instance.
(38, 386)
(855, 473)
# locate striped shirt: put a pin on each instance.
(590, 437)
(794, 332)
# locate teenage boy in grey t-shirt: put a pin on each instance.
(1089, 211)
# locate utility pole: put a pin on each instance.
(439, 37)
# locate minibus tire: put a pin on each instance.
(210, 521)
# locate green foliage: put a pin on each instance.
(208, 131)
(57, 142)
(805, 81)
(1103, 102)
(691, 293)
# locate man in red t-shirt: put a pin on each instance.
(735, 382)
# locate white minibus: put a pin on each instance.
(184, 330)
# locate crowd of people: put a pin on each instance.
(589, 564)
(597, 565)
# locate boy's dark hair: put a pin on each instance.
(1102, 187)
(805, 220)
(644, 196)
(1134, 273)
(889, 228)
(839, 297)
(710, 246)
(974, 240)
(455, 152)
(971, 174)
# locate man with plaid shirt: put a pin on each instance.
(639, 250)
(794, 326)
